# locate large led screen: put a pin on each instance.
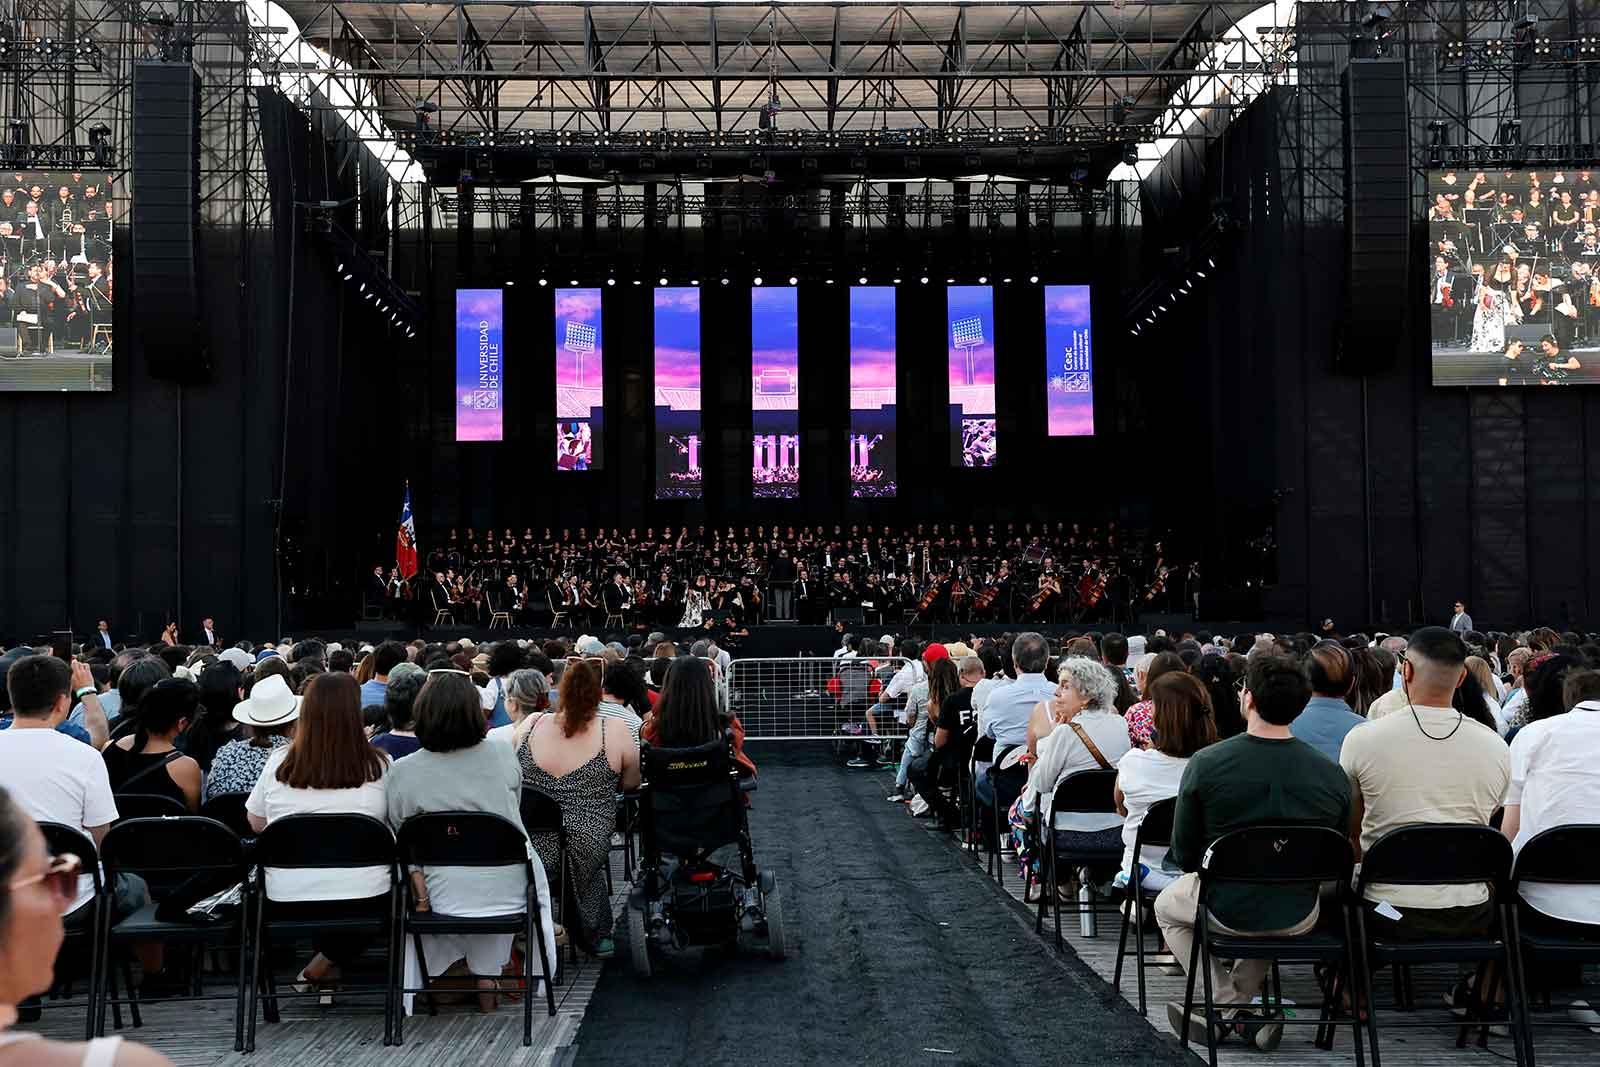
(580, 398)
(775, 393)
(872, 392)
(56, 286)
(969, 331)
(1511, 290)
(1068, 362)
(480, 328)
(677, 389)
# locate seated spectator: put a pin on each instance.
(150, 762)
(385, 658)
(1483, 675)
(268, 717)
(1555, 781)
(503, 659)
(214, 726)
(1516, 696)
(1330, 672)
(457, 769)
(1184, 724)
(1139, 722)
(1262, 776)
(1006, 717)
(527, 693)
(110, 699)
(951, 742)
(328, 768)
(583, 761)
(399, 698)
(1222, 681)
(942, 683)
(892, 697)
(1086, 734)
(915, 719)
(694, 716)
(1426, 764)
(622, 696)
(35, 888)
(1374, 669)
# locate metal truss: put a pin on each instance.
(495, 74)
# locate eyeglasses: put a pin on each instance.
(61, 878)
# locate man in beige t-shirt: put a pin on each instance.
(1426, 763)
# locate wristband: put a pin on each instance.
(82, 691)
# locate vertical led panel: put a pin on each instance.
(580, 374)
(872, 392)
(775, 393)
(969, 331)
(1068, 362)
(677, 388)
(480, 329)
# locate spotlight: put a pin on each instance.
(862, 280)
(827, 281)
(340, 267)
(897, 281)
(724, 281)
(636, 281)
(756, 280)
(1006, 281)
(611, 281)
(347, 276)
(1034, 278)
(510, 282)
(1161, 307)
(793, 280)
(949, 281)
(543, 282)
(694, 281)
(363, 288)
(983, 279)
(662, 280)
(923, 279)
(573, 283)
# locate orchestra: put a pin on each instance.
(722, 577)
(56, 266)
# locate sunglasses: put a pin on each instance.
(60, 877)
(450, 670)
(593, 661)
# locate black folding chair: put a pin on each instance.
(1563, 855)
(324, 843)
(1005, 785)
(68, 841)
(228, 809)
(541, 813)
(1445, 854)
(1083, 793)
(1155, 831)
(1274, 857)
(186, 855)
(148, 806)
(472, 839)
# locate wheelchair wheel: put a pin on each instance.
(772, 908)
(638, 943)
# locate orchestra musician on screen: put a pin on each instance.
(725, 578)
(56, 264)
(1516, 249)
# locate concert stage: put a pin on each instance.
(57, 372)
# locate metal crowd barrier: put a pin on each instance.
(809, 698)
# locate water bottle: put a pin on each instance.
(1086, 919)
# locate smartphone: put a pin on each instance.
(61, 645)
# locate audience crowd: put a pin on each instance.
(1360, 733)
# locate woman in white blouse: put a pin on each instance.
(1184, 724)
(329, 768)
(1085, 733)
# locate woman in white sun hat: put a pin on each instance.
(269, 716)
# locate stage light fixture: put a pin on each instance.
(983, 279)
(543, 282)
(896, 281)
(694, 281)
(510, 282)
(362, 288)
(662, 280)
(636, 281)
(827, 281)
(862, 280)
(756, 280)
(1130, 153)
(923, 279)
(347, 275)
(793, 280)
(1033, 278)
(1210, 262)
(611, 281)
(340, 267)
(949, 281)
(724, 281)
(1006, 281)
(573, 283)
(1161, 307)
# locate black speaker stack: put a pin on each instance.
(1377, 216)
(166, 221)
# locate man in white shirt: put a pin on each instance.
(1555, 781)
(54, 778)
(1426, 763)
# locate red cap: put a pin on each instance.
(934, 652)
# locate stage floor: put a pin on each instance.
(1457, 366)
(57, 372)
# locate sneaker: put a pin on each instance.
(896, 798)
(1260, 1031)
(1195, 1024)
(1580, 1012)
(603, 948)
(856, 763)
(1459, 998)
(885, 759)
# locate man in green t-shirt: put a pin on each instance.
(1262, 776)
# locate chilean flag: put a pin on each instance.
(405, 541)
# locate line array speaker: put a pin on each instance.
(1377, 215)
